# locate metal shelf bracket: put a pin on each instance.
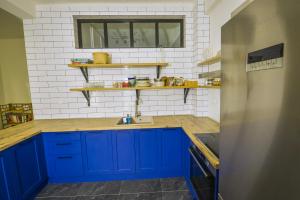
(85, 73)
(186, 92)
(87, 96)
(138, 94)
(158, 70)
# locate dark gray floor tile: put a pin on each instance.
(98, 188)
(150, 196)
(100, 197)
(55, 198)
(141, 186)
(112, 187)
(59, 190)
(177, 195)
(128, 197)
(172, 184)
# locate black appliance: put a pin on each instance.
(203, 176)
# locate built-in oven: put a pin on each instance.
(203, 176)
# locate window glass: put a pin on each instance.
(128, 33)
(92, 35)
(169, 35)
(144, 35)
(118, 35)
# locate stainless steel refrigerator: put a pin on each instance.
(260, 103)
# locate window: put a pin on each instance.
(93, 33)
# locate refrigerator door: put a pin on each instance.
(260, 110)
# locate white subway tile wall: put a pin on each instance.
(50, 44)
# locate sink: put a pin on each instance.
(144, 120)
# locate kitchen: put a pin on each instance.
(128, 103)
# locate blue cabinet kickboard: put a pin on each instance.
(82, 156)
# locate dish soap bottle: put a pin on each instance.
(128, 119)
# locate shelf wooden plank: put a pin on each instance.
(213, 74)
(119, 65)
(130, 88)
(212, 60)
(209, 87)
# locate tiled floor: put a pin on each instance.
(154, 189)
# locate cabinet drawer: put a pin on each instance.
(67, 166)
(62, 136)
(64, 147)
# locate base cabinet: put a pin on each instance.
(23, 170)
(171, 145)
(9, 187)
(98, 152)
(148, 150)
(114, 154)
(124, 149)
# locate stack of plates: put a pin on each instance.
(143, 82)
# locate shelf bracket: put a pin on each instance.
(138, 94)
(186, 92)
(85, 73)
(137, 103)
(87, 96)
(158, 70)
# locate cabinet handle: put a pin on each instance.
(63, 144)
(198, 163)
(65, 157)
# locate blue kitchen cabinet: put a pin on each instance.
(116, 154)
(30, 166)
(124, 147)
(148, 151)
(9, 182)
(22, 170)
(172, 155)
(63, 155)
(98, 152)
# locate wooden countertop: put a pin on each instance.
(191, 125)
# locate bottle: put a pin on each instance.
(128, 119)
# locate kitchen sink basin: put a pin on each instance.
(138, 121)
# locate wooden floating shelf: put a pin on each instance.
(213, 74)
(209, 87)
(130, 88)
(84, 67)
(86, 91)
(212, 60)
(119, 65)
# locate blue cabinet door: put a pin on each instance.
(41, 160)
(171, 143)
(27, 157)
(65, 166)
(124, 151)
(148, 150)
(99, 152)
(9, 182)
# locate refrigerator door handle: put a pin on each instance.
(198, 163)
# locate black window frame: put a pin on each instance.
(131, 22)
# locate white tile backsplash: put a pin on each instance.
(50, 43)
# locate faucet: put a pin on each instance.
(137, 103)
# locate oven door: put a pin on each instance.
(201, 178)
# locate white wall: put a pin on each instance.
(219, 12)
(49, 40)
